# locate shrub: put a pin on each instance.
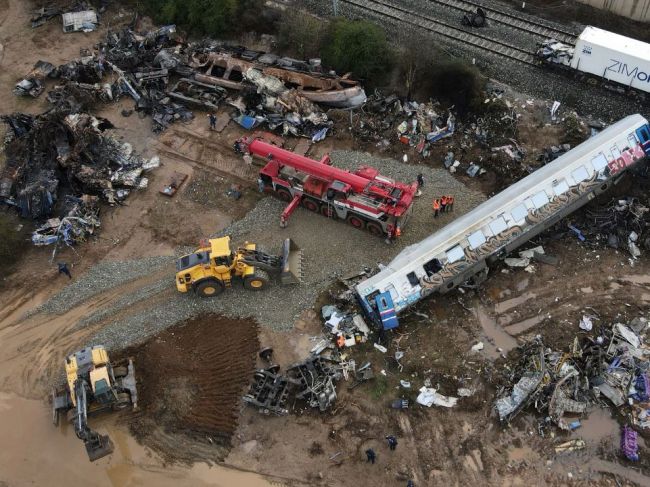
(458, 84)
(360, 47)
(301, 34)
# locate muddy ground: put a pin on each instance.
(191, 423)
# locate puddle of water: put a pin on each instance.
(524, 325)
(504, 306)
(599, 426)
(640, 279)
(496, 336)
(41, 455)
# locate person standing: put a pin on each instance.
(213, 121)
(371, 456)
(392, 442)
(450, 203)
(436, 207)
(443, 203)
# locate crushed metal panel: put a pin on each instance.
(79, 21)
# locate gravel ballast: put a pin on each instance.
(330, 248)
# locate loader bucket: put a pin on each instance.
(99, 447)
(291, 263)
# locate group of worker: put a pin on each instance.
(392, 445)
(443, 204)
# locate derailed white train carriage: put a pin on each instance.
(607, 55)
(462, 250)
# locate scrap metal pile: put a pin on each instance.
(311, 381)
(414, 124)
(165, 76)
(611, 369)
(58, 165)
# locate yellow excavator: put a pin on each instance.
(214, 266)
(93, 385)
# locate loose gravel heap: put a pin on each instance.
(330, 249)
(540, 82)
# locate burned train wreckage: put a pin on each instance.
(60, 163)
(58, 167)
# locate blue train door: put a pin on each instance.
(643, 134)
(386, 310)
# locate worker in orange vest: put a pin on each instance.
(443, 204)
(436, 207)
(450, 203)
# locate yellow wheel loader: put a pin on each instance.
(92, 385)
(214, 267)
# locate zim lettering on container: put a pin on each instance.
(622, 68)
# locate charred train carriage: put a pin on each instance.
(364, 198)
(617, 60)
(461, 251)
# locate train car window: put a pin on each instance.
(413, 279)
(519, 212)
(631, 140)
(616, 153)
(498, 225)
(581, 174)
(561, 187)
(599, 162)
(455, 253)
(432, 267)
(540, 199)
(476, 239)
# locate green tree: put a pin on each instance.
(358, 46)
(458, 84)
(301, 34)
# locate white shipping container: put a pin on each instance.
(613, 57)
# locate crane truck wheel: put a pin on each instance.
(374, 229)
(284, 194)
(208, 288)
(355, 221)
(258, 281)
(310, 204)
(328, 211)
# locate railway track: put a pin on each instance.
(400, 14)
(511, 19)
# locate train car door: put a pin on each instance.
(643, 134)
(386, 310)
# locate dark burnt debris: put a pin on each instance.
(60, 164)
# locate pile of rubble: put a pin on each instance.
(58, 165)
(311, 381)
(417, 125)
(165, 75)
(610, 369)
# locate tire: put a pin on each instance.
(284, 194)
(328, 211)
(310, 204)
(355, 221)
(120, 372)
(258, 281)
(208, 288)
(374, 229)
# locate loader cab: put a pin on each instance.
(101, 385)
(222, 257)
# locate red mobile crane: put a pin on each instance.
(363, 198)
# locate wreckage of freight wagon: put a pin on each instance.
(58, 164)
(226, 69)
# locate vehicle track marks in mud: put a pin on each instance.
(190, 381)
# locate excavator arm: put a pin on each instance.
(97, 446)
